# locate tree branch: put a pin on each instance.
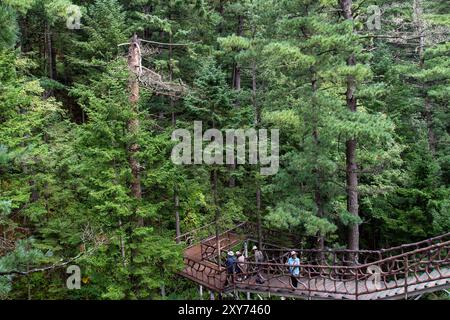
(51, 267)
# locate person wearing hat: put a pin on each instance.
(230, 263)
(241, 266)
(294, 268)
(259, 258)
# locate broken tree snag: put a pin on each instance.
(147, 77)
(155, 82)
(150, 79)
(134, 64)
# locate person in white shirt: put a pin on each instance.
(242, 266)
(259, 258)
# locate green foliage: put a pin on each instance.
(8, 27)
(20, 259)
(65, 142)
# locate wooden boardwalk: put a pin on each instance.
(396, 273)
(322, 288)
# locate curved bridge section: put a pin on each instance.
(396, 273)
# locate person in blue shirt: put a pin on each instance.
(230, 264)
(294, 268)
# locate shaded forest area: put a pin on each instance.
(359, 90)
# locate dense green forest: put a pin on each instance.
(92, 91)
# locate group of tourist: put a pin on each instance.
(236, 264)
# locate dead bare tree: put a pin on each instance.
(141, 76)
(148, 77)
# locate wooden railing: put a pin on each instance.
(208, 275)
(209, 245)
(247, 229)
(195, 236)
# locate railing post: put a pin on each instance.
(406, 276)
(248, 266)
(356, 284)
(309, 284)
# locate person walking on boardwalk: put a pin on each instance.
(241, 266)
(230, 264)
(294, 268)
(259, 258)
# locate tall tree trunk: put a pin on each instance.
(237, 87)
(174, 122)
(429, 120)
(258, 215)
(351, 146)
(237, 68)
(50, 56)
(25, 43)
(134, 64)
(237, 80)
(177, 216)
(122, 246)
(221, 8)
(428, 110)
(217, 212)
(318, 199)
(232, 180)
(257, 122)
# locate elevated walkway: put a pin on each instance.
(396, 273)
